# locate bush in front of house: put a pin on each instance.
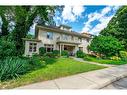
(80, 54)
(13, 67)
(36, 62)
(49, 54)
(64, 53)
(7, 48)
(115, 58)
(42, 51)
(123, 55)
(56, 53)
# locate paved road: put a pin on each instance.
(121, 84)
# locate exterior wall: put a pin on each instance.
(84, 44)
(43, 37)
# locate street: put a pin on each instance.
(120, 84)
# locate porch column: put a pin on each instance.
(63, 46)
(60, 49)
(76, 49)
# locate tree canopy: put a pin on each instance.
(117, 27)
(17, 20)
(106, 45)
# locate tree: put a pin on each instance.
(24, 17)
(5, 16)
(106, 45)
(117, 27)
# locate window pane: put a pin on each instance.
(50, 35)
(32, 47)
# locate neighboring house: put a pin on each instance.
(57, 38)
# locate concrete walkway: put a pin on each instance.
(90, 80)
(81, 60)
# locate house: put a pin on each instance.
(57, 38)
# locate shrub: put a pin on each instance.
(106, 45)
(123, 55)
(7, 48)
(13, 67)
(80, 54)
(42, 51)
(49, 60)
(49, 54)
(36, 62)
(115, 58)
(64, 53)
(56, 53)
(89, 58)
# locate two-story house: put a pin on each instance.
(57, 38)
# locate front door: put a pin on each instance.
(70, 49)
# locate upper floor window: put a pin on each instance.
(65, 37)
(76, 38)
(88, 40)
(80, 39)
(32, 47)
(50, 35)
(72, 37)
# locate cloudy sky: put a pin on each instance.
(90, 19)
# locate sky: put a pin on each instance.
(90, 19)
(81, 18)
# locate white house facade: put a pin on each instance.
(57, 38)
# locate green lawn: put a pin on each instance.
(56, 68)
(105, 61)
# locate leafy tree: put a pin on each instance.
(117, 27)
(23, 18)
(5, 16)
(106, 45)
(7, 48)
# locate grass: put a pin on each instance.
(56, 68)
(105, 61)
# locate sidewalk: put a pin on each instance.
(90, 80)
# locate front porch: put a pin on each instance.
(71, 48)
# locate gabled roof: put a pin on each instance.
(57, 29)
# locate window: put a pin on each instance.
(88, 40)
(48, 47)
(32, 47)
(76, 38)
(65, 37)
(50, 35)
(72, 37)
(80, 39)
